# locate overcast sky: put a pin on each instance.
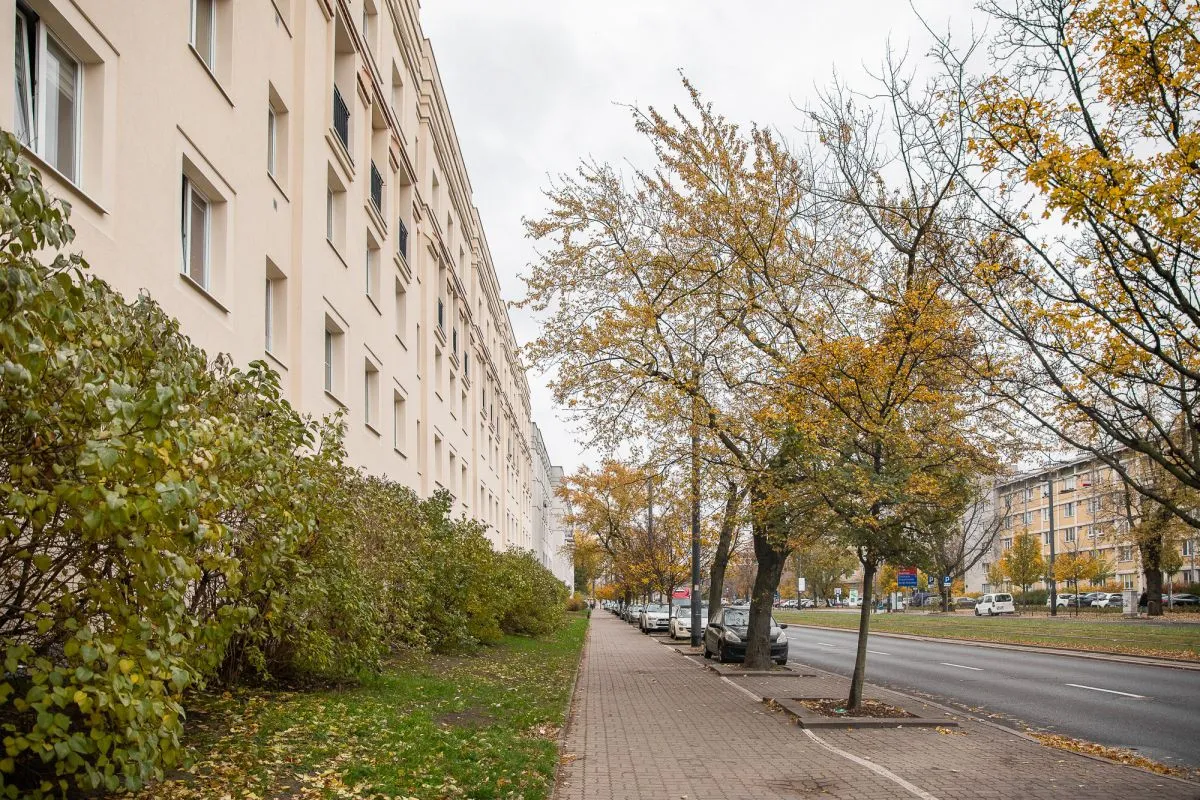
(536, 85)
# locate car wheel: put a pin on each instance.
(721, 654)
(977, 613)
(781, 661)
(707, 654)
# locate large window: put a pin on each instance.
(197, 212)
(48, 88)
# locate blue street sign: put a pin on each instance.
(946, 581)
(906, 579)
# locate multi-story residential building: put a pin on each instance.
(1089, 515)
(284, 177)
(561, 529)
(553, 547)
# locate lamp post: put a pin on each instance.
(1053, 582)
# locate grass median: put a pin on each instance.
(480, 726)
(1134, 637)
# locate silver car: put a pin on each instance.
(654, 617)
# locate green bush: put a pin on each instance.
(576, 603)
(166, 521)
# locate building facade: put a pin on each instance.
(561, 529)
(1089, 516)
(284, 177)
(553, 542)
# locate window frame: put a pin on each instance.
(190, 190)
(34, 87)
(211, 60)
(272, 139)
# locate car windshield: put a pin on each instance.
(655, 607)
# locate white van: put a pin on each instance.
(992, 604)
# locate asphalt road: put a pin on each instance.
(1154, 710)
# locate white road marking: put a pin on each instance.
(825, 644)
(1109, 691)
(960, 666)
(878, 770)
(876, 652)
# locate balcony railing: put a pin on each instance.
(376, 188)
(341, 118)
(402, 238)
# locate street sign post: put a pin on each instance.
(907, 577)
(946, 580)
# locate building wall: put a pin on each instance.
(561, 533)
(425, 366)
(1089, 516)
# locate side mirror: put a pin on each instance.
(783, 625)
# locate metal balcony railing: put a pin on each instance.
(341, 118)
(402, 238)
(376, 188)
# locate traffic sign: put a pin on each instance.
(946, 580)
(907, 577)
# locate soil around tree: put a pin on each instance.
(831, 707)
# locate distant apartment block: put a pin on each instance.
(284, 177)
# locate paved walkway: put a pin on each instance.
(648, 722)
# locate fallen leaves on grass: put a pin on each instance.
(1117, 754)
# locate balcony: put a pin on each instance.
(376, 189)
(341, 118)
(402, 239)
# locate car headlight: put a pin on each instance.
(730, 636)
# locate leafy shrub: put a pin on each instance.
(166, 521)
(576, 603)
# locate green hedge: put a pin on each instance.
(168, 521)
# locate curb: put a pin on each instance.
(569, 716)
(1167, 662)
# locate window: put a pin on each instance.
(204, 31)
(1189, 547)
(1027, 518)
(334, 357)
(370, 394)
(1006, 544)
(195, 229)
(272, 127)
(48, 86)
(401, 310)
(1028, 494)
(1046, 514)
(275, 310)
(1069, 484)
(1126, 553)
(1126, 581)
(1069, 534)
(437, 459)
(372, 270)
(399, 422)
(1046, 537)
(335, 210)
(1068, 509)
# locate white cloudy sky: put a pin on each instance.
(534, 85)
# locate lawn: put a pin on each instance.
(1141, 638)
(481, 726)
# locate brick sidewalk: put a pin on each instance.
(647, 723)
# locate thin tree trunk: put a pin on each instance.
(720, 562)
(1154, 584)
(770, 557)
(864, 626)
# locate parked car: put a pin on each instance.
(632, 613)
(681, 624)
(1183, 600)
(725, 636)
(807, 602)
(1110, 600)
(993, 604)
(964, 602)
(654, 617)
(854, 602)
(1064, 601)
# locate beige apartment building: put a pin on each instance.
(1089, 516)
(284, 177)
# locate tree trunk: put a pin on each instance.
(864, 625)
(716, 572)
(945, 591)
(771, 557)
(1154, 584)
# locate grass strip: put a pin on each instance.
(1123, 638)
(479, 726)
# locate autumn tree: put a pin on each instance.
(957, 548)
(1023, 562)
(1073, 567)
(824, 564)
(996, 576)
(1083, 126)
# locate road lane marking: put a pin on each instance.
(825, 644)
(1109, 691)
(960, 666)
(876, 652)
(877, 769)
